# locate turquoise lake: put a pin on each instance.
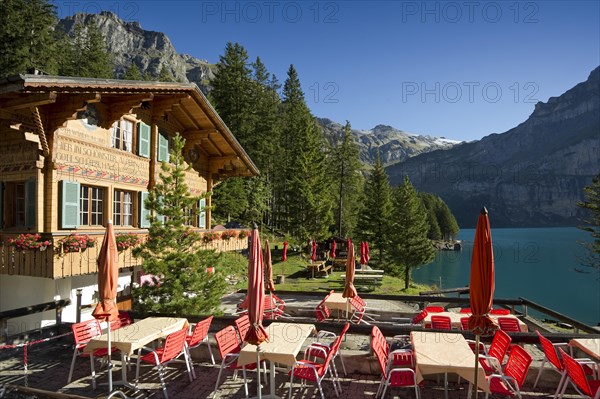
(534, 263)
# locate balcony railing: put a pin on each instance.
(53, 262)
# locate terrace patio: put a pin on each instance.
(48, 367)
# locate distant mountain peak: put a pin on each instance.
(393, 145)
(151, 51)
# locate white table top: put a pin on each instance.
(285, 342)
(438, 353)
(134, 336)
(591, 346)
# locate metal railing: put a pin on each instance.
(6, 315)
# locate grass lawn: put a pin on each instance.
(297, 278)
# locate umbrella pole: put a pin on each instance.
(110, 382)
(476, 366)
(347, 307)
(258, 384)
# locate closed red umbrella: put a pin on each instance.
(481, 286)
(349, 290)
(313, 256)
(108, 275)
(284, 258)
(284, 255)
(269, 285)
(256, 292)
(367, 256)
(363, 258)
(333, 248)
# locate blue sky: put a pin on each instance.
(458, 69)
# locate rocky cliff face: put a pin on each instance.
(151, 51)
(531, 175)
(393, 145)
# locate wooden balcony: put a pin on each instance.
(52, 262)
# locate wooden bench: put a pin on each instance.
(368, 272)
(368, 278)
(317, 268)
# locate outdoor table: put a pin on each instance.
(315, 266)
(135, 336)
(455, 319)
(285, 341)
(337, 302)
(443, 353)
(591, 346)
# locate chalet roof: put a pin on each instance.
(183, 105)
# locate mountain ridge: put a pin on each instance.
(531, 175)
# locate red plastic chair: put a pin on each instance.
(358, 314)
(509, 324)
(173, 347)
(465, 310)
(198, 337)
(320, 350)
(229, 348)
(322, 312)
(492, 362)
(441, 322)
(577, 376)
(435, 309)
(464, 323)
(312, 371)
(499, 312)
(242, 324)
(510, 381)
(83, 332)
(420, 317)
(395, 377)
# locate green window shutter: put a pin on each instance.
(202, 213)
(30, 199)
(69, 204)
(163, 147)
(143, 140)
(1, 205)
(144, 212)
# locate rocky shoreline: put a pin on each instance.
(450, 245)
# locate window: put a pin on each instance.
(18, 204)
(122, 135)
(123, 208)
(91, 206)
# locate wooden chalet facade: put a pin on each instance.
(76, 152)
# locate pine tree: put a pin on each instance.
(231, 94)
(165, 75)
(431, 204)
(302, 192)
(446, 221)
(265, 140)
(88, 56)
(170, 251)
(133, 72)
(232, 97)
(409, 245)
(592, 225)
(346, 177)
(376, 213)
(27, 37)
(230, 199)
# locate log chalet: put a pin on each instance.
(76, 152)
